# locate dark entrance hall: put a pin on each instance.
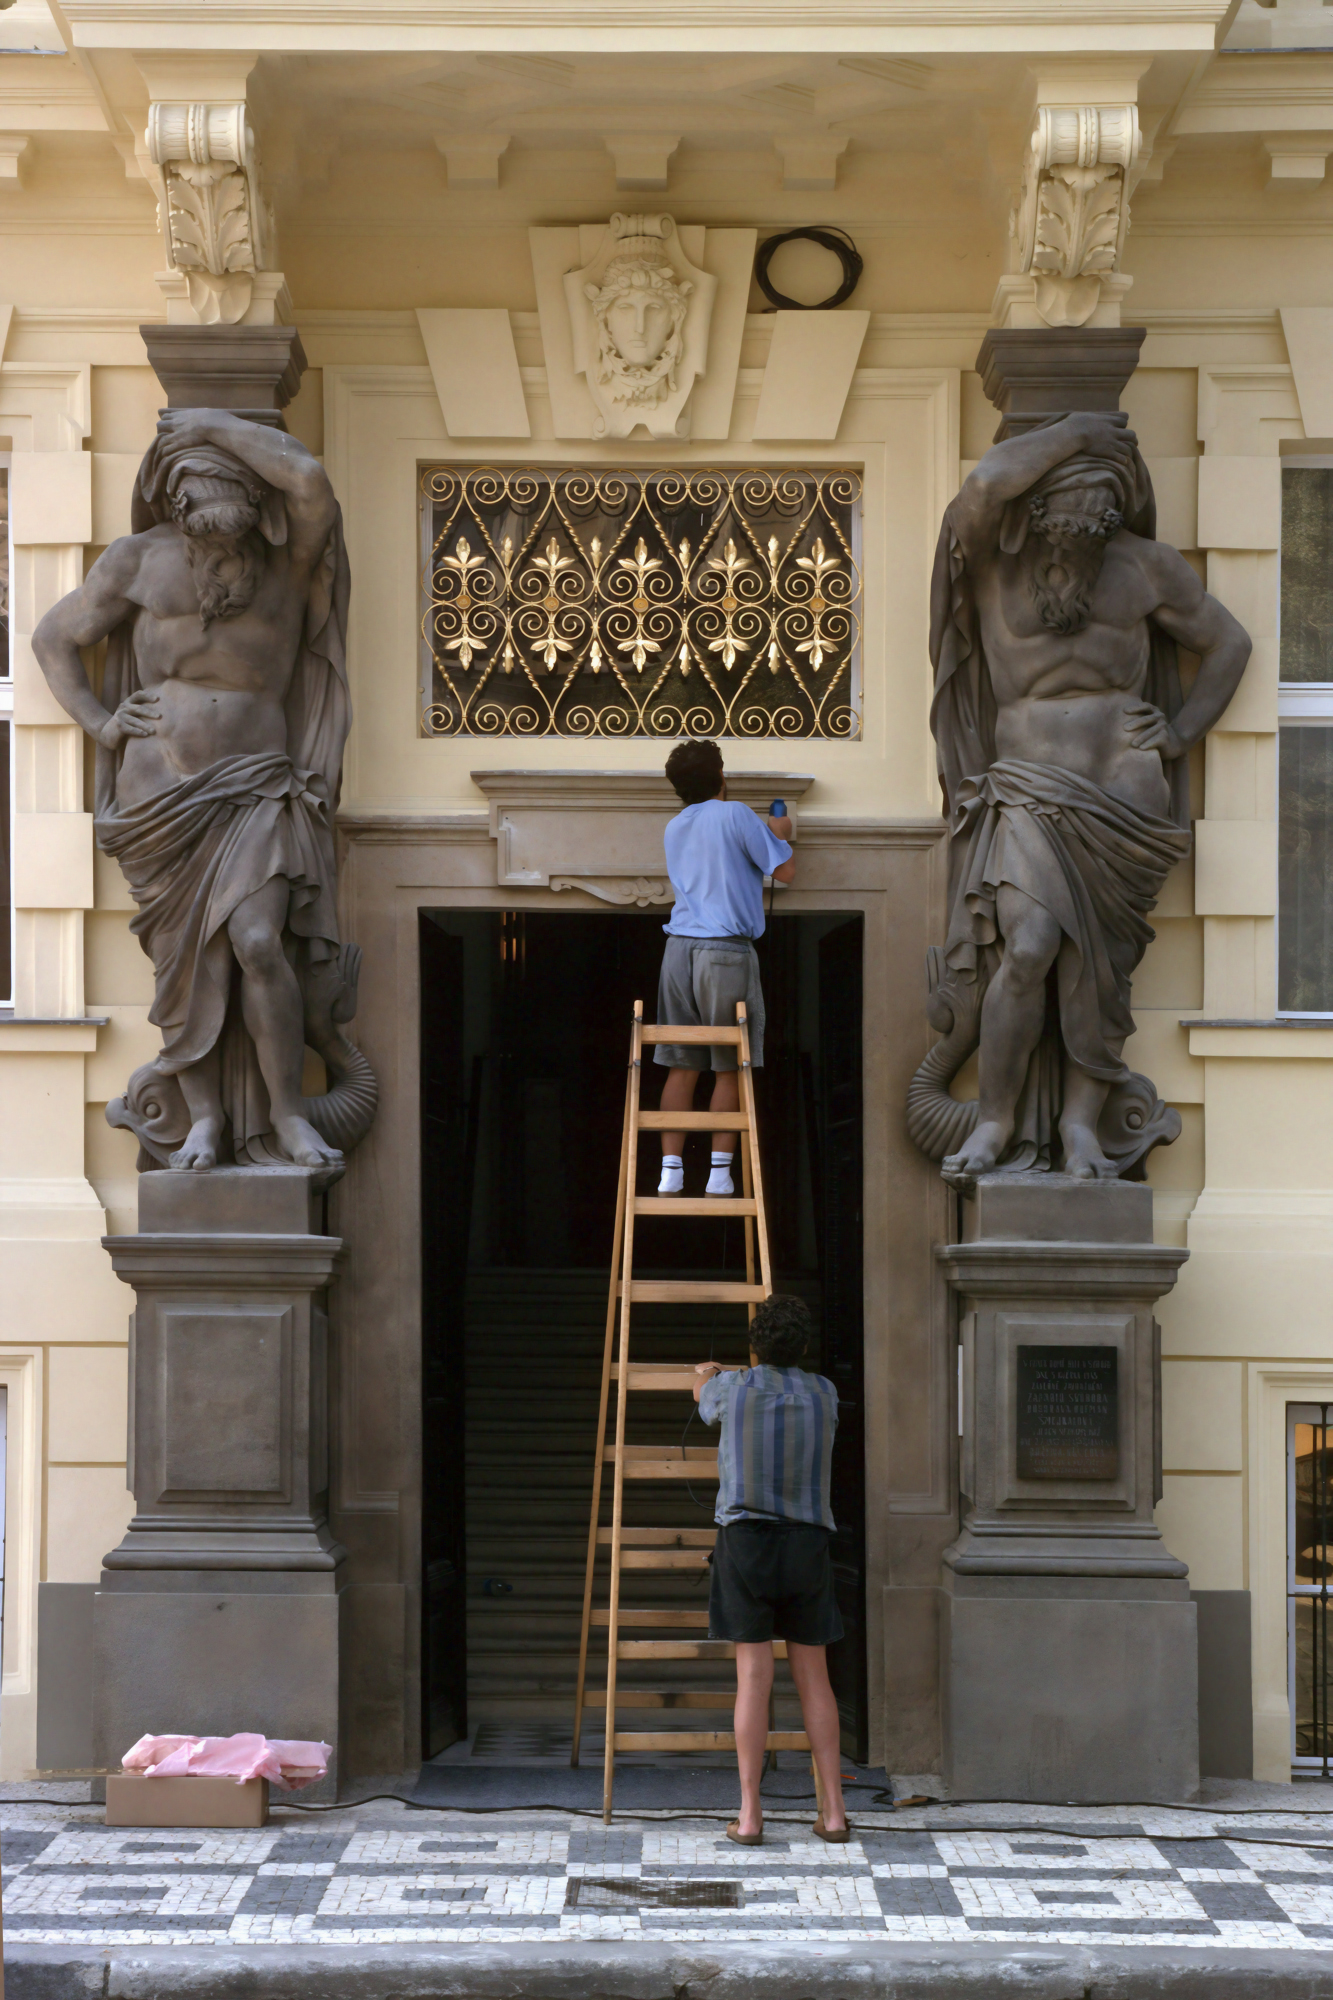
(524, 1035)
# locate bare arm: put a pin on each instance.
(103, 601)
(1011, 468)
(278, 460)
(1207, 628)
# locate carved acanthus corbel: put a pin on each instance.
(215, 224)
(1074, 209)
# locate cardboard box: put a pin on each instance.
(134, 1800)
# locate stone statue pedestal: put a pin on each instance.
(220, 1610)
(1068, 1648)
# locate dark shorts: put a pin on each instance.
(773, 1580)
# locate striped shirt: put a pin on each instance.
(775, 1452)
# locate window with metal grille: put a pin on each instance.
(628, 602)
(6, 754)
(1305, 740)
(1309, 1554)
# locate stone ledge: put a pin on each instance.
(647, 1971)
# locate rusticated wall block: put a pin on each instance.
(1033, 373)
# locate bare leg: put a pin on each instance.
(201, 1089)
(1083, 1098)
(678, 1095)
(754, 1685)
(272, 1010)
(726, 1097)
(819, 1712)
(1012, 1016)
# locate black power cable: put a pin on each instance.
(829, 237)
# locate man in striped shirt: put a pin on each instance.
(772, 1573)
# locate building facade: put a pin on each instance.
(435, 198)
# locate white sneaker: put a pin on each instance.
(672, 1181)
(720, 1181)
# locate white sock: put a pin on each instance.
(719, 1180)
(673, 1174)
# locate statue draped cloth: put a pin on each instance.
(192, 853)
(1094, 862)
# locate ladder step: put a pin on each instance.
(713, 1037)
(666, 1461)
(685, 1649)
(663, 1558)
(662, 1619)
(703, 1739)
(690, 1204)
(663, 1697)
(684, 1292)
(657, 1374)
(693, 1121)
(660, 1538)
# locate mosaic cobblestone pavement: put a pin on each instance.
(1157, 1880)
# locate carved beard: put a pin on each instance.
(1067, 558)
(226, 558)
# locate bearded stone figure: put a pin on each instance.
(1062, 736)
(220, 736)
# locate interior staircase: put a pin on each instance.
(534, 1354)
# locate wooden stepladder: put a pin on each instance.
(664, 1548)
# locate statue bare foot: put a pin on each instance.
(1084, 1158)
(981, 1154)
(303, 1145)
(200, 1150)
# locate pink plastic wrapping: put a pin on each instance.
(285, 1763)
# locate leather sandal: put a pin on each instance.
(744, 1839)
(836, 1836)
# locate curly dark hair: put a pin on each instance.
(694, 768)
(782, 1331)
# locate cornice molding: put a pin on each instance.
(862, 26)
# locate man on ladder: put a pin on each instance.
(772, 1570)
(718, 853)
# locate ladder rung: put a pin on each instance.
(656, 1375)
(682, 1292)
(660, 1538)
(663, 1558)
(683, 1619)
(665, 1462)
(703, 1739)
(685, 1649)
(693, 1121)
(691, 1204)
(715, 1037)
(662, 1697)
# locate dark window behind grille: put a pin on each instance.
(1305, 868)
(640, 603)
(6, 877)
(1310, 1551)
(1307, 563)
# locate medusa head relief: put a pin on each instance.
(640, 313)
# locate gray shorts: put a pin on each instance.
(702, 980)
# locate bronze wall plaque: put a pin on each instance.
(1068, 1416)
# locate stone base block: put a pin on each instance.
(1069, 1699)
(133, 1800)
(212, 1663)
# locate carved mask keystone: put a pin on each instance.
(639, 315)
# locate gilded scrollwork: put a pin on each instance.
(628, 603)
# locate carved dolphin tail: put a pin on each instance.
(345, 1112)
(937, 1122)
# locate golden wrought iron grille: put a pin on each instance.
(593, 602)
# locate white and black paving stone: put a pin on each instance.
(946, 1887)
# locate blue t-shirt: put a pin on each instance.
(717, 855)
(775, 1453)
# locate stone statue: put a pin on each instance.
(640, 314)
(1062, 737)
(220, 737)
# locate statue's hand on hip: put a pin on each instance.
(1149, 729)
(138, 715)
